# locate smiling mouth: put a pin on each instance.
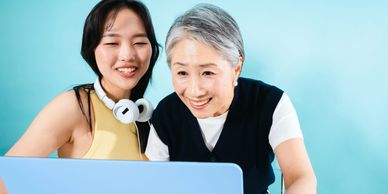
(127, 69)
(199, 104)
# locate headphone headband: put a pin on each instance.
(125, 110)
(102, 95)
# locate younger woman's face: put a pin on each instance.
(123, 54)
(203, 79)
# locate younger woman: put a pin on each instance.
(91, 120)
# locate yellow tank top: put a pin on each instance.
(112, 139)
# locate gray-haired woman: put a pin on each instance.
(216, 116)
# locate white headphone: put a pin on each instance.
(125, 110)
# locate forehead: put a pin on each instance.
(193, 52)
(123, 18)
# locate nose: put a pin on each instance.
(127, 52)
(195, 88)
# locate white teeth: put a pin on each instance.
(199, 103)
(127, 69)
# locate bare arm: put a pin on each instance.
(51, 128)
(3, 190)
(295, 164)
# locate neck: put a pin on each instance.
(113, 92)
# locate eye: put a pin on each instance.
(182, 73)
(111, 43)
(140, 43)
(208, 73)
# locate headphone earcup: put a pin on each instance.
(146, 114)
(126, 111)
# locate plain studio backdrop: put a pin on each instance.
(331, 57)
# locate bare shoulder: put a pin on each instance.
(53, 127)
(69, 103)
(63, 114)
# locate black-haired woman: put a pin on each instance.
(91, 121)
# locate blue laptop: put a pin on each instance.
(23, 175)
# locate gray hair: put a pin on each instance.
(211, 26)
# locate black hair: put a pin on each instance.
(95, 25)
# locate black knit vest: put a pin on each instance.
(243, 140)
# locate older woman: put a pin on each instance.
(216, 116)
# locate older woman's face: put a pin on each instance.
(203, 79)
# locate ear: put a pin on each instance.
(238, 68)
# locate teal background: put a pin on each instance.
(329, 56)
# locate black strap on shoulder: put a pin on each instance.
(144, 131)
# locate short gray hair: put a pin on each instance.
(210, 25)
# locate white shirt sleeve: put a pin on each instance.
(285, 123)
(156, 150)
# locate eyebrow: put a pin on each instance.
(111, 34)
(200, 65)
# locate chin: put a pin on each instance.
(128, 86)
(200, 115)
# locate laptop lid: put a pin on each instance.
(53, 175)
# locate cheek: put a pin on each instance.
(145, 55)
(144, 59)
(103, 56)
(178, 85)
(222, 87)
